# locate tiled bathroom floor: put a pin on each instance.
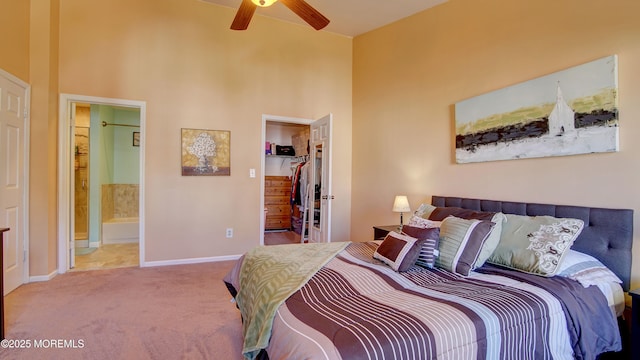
(109, 256)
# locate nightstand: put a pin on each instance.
(635, 323)
(379, 232)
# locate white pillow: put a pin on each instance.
(585, 269)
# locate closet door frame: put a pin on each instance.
(271, 118)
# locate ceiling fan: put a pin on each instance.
(299, 7)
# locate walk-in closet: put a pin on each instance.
(287, 175)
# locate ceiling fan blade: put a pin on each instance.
(244, 15)
(307, 13)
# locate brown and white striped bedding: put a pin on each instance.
(355, 307)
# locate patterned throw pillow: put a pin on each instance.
(535, 244)
(399, 251)
(460, 243)
(420, 222)
(429, 248)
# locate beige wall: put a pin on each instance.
(14, 25)
(409, 75)
(43, 69)
(30, 52)
(193, 72)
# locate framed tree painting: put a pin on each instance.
(206, 152)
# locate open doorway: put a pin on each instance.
(296, 180)
(101, 187)
(286, 175)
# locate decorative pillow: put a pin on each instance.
(535, 244)
(441, 213)
(398, 251)
(585, 269)
(428, 253)
(424, 210)
(421, 233)
(420, 222)
(429, 248)
(460, 243)
(492, 241)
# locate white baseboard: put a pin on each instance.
(82, 243)
(120, 241)
(190, 261)
(42, 278)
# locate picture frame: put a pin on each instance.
(569, 112)
(136, 138)
(205, 152)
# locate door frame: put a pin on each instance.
(25, 187)
(65, 169)
(321, 134)
(280, 119)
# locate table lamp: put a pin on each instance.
(401, 205)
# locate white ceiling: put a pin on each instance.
(348, 17)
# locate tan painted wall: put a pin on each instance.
(193, 72)
(409, 75)
(14, 25)
(43, 69)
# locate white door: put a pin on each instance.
(14, 102)
(320, 157)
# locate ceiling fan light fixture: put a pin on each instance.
(263, 3)
(299, 7)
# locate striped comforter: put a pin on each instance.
(357, 308)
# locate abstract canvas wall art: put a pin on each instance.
(574, 111)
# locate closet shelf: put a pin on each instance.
(280, 156)
(285, 157)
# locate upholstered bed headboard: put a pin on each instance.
(607, 234)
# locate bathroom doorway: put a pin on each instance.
(101, 185)
(81, 184)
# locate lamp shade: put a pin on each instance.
(401, 204)
(263, 3)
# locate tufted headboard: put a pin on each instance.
(607, 235)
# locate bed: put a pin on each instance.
(351, 305)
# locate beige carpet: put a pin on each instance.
(172, 312)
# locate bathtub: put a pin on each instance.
(121, 230)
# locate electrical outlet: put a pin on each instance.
(252, 173)
(229, 232)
